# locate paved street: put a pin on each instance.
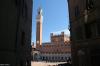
(45, 63)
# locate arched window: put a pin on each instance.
(35, 56)
(43, 58)
(89, 4)
(61, 58)
(52, 58)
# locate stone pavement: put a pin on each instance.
(45, 63)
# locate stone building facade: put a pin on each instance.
(15, 32)
(85, 32)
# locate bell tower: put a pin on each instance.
(39, 20)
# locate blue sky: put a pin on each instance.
(55, 18)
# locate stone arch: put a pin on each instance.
(36, 57)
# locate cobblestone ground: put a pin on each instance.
(46, 63)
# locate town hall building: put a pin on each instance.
(58, 49)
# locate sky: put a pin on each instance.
(55, 18)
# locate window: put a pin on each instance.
(21, 63)
(61, 58)
(22, 7)
(49, 58)
(58, 57)
(91, 30)
(76, 11)
(46, 58)
(95, 56)
(69, 59)
(43, 58)
(62, 39)
(66, 58)
(52, 58)
(24, 11)
(23, 38)
(79, 33)
(98, 28)
(87, 31)
(89, 4)
(55, 57)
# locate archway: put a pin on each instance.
(35, 57)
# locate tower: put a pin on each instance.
(39, 19)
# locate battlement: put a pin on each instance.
(62, 37)
(54, 34)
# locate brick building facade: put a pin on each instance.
(59, 49)
(56, 50)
